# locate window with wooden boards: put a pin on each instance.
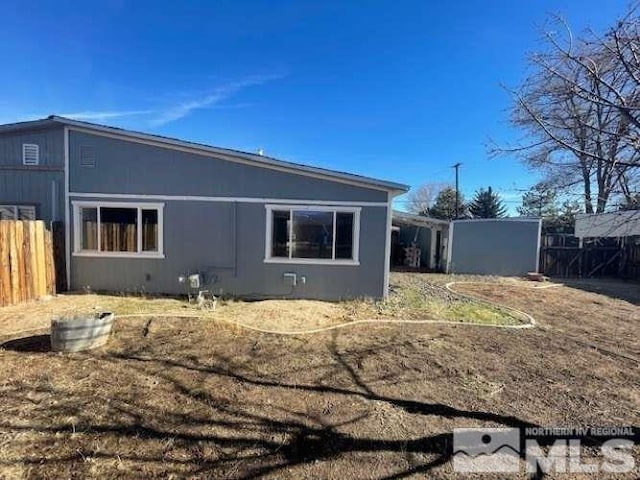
(118, 229)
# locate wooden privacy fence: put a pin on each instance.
(561, 256)
(119, 237)
(27, 266)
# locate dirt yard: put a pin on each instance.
(198, 398)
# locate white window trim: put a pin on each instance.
(35, 146)
(77, 229)
(313, 261)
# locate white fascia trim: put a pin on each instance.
(538, 246)
(154, 255)
(311, 261)
(339, 207)
(146, 206)
(199, 198)
(387, 245)
(212, 152)
(67, 209)
(508, 219)
(450, 247)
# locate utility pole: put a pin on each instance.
(457, 167)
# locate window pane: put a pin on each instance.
(280, 235)
(149, 230)
(7, 212)
(344, 235)
(118, 230)
(312, 234)
(89, 226)
(26, 212)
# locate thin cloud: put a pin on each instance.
(97, 116)
(162, 116)
(220, 94)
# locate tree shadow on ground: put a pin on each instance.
(32, 344)
(251, 438)
(614, 288)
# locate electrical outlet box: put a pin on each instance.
(291, 276)
(195, 280)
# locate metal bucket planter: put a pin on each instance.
(80, 333)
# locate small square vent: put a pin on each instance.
(87, 156)
(30, 154)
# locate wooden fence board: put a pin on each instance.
(560, 256)
(13, 261)
(21, 285)
(41, 268)
(5, 264)
(50, 264)
(33, 260)
(27, 264)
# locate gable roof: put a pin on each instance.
(246, 157)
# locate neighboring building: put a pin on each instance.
(428, 234)
(143, 211)
(608, 225)
(495, 246)
(500, 246)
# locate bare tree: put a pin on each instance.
(420, 199)
(580, 112)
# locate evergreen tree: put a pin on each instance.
(565, 221)
(487, 204)
(444, 206)
(540, 201)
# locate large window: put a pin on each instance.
(118, 229)
(300, 234)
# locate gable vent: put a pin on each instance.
(87, 157)
(30, 154)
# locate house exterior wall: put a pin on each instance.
(223, 239)
(42, 185)
(495, 247)
(128, 167)
(226, 243)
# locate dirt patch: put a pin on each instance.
(193, 398)
(282, 314)
(607, 321)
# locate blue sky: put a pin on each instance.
(398, 90)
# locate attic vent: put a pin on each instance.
(87, 157)
(30, 154)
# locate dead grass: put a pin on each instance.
(409, 299)
(193, 399)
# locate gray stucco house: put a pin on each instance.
(142, 212)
